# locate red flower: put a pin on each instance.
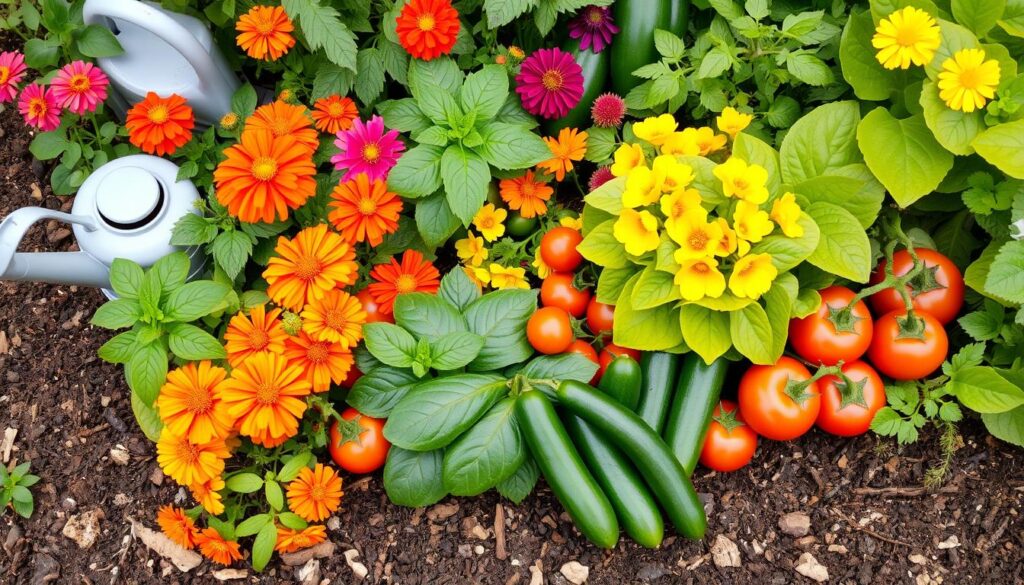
(392, 279)
(427, 29)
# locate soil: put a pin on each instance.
(870, 520)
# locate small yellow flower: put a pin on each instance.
(750, 222)
(743, 181)
(627, 158)
(967, 80)
(698, 278)
(733, 122)
(786, 213)
(709, 142)
(489, 221)
(570, 222)
(540, 267)
(229, 121)
(502, 277)
(475, 274)
(674, 205)
(471, 249)
(675, 175)
(637, 230)
(752, 276)
(694, 142)
(656, 130)
(907, 36)
(728, 244)
(696, 236)
(643, 187)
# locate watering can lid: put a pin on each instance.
(127, 196)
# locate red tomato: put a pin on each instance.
(729, 443)
(768, 404)
(373, 314)
(558, 249)
(586, 350)
(549, 330)
(353, 376)
(558, 290)
(907, 358)
(363, 453)
(818, 341)
(943, 303)
(600, 317)
(610, 352)
(852, 419)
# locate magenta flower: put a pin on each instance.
(601, 176)
(367, 148)
(550, 83)
(12, 69)
(608, 110)
(39, 108)
(80, 87)
(594, 27)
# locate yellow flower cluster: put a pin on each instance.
(472, 251)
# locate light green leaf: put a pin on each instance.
(654, 288)
(192, 343)
(263, 546)
(978, 15)
(850, 193)
(458, 289)
(323, 29)
(146, 371)
(117, 314)
(608, 197)
(565, 366)
(1007, 426)
(903, 154)
(705, 331)
(232, 249)
(125, 278)
(511, 146)
(427, 316)
(417, 173)
(751, 333)
(611, 282)
(194, 300)
(390, 344)
(442, 72)
(954, 38)
(403, 115)
(601, 247)
(753, 150)
(953, 129)
(647, 330)
(435, 220)
(787, 253)
(843, 248)
(244, 483)
(1003, 146)
(983, 390)
(1005, 278)
(465, 177)
(500, 318)
(454, 350)
(822, 140)
(485, 91)
(370, 82)
(808, 68)
(97, 41)
(861, 69)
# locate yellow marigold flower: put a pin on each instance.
(694, 142)
(575, 223)
(638, 231)
(208, 495)
(743, 181)
(475, 274)
(728, 244)
(643, 187)
(540, 267)
(674, 174)
(906, 36)
(732, 122)
(516, 53)
(489, 221)
(316, 493)
(656, 130)
(786, 213)
(471, 249)
(696, 236)
(698, 278)
(967, 80)
(627, 158)
(675, 204)
(750, 222)
(752, 276)
(502, 277)
(229, 121)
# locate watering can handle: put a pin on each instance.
(160, 24)
(15, 225)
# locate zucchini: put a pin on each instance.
(622, 380)
(561, 465)
(659, 372)
(633, 46)
(637, 441)
(697, 394)
(679, 18)
(595, 79)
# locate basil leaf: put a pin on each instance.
(486, 454)
(500, 317)
(414, 479)
(438, 411)
(377, 392)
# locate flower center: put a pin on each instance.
(969, 78)
(79, 83)
(907, 36)
(200, 401)
(678, 209)
(317, 493)
(698, 240)
(5, 74)
(259, 340)
(188, 452)
(307, 268)
(426, 22)
(37, 108)
(406, 283)
(267, 393)
(552, 80)
(367, 206)
(265, 26)
(317, 353)
(280, 127)
(371, 153)
(701, 268)
(334, 319)
(741, 184)
(158, 114)
(527, 190)
(487, 223)
(595, 16)
(335, 110)
(264, 168)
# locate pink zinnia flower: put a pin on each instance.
(367, 148)
(601, 176)
(39, 108)
(80, 87)
(550, 83)
(608, 110)
(594, 27)
(12, 69)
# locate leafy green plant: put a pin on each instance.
(545, 12)
(14, 491)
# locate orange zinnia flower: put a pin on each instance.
(177, 526)
(160, 125)
(214, 547)
(392, 279)
(526, 194)
(364, 210)
(323, 361)
(208, 495)
(309, 265)
(265, 175)
(289, 540)
(570, 146)
(266, 394)
(263, 31)
(316, 493)
(337, 317)
(260, 332)
(284, 119)
(428, 29)
(189, 402)
(334, 114)
(188, 463)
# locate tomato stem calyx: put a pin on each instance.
(843, 319)
(910, 326)
(728, 420)
(350, 431)
(851, 391)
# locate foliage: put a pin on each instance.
(14, 490)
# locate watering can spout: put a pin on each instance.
(74, 268)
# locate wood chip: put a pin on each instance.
(537, 573)
(37, 193)
(575, 573)
(185, 560)
(8, 443)
(5, 347)
(358, 568)
(230, 574)
(499, 532)
(321, 551)
(809, 567)
(724, 552)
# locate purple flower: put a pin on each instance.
(367, 148)
(550, 83)
(594, 26)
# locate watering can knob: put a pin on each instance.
(129, 198)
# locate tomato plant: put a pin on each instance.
(908, 348)
(729, 443)
(779, 401)
(357, 442)
(832, 334)
(600, 317)
(558, 290)
(848, 406)
(373, 312)
(549, 330)
(558, 249)
(938, 289)
(518, 226)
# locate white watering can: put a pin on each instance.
(126, 209)
(164, 52)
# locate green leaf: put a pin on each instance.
(48, 145)
(458, 289)
(244, 483)
(1013, 18)
(291, 469)
(601, 143)
(192, 230)
(714, 63)
(903, 154)
(705, 331)
(983, 390)
(465, 176)
(654, 288)
(521, 483)
(751, 333)
(786, 252)
(601, 247)
(953, 129)
(377, 392)
(97, 41)
(779, 306)
(438, 411)
(331, 79)
(487, 454)
(390, 344)
(435, 220)
(117, 314)
(843, 249)
(808, 68)
(146, 371)
(1007, 426)
(668, 45)
(417, 173)
(427, 316)
(847, 192)
(861, 69)
(1005, 278)
(244, 101)
(611, 282)
(147, 417)
(323, 29)
(404, 115)
(192, 343)
(292, 520)
(511, 146)
(370, 82)
(978, 15)
(1003, 147)
(954, 39)
(42, 53)
(608, 197)
(647, 330)
(125, 278)
(263, 546)
(414, 479)
(454, 350)
(500, 318)
(56, 17)
(118, 349)
(437, 104)
(442, 72)
(485, 91)
(275, 497)
(252, 524)
(231, 250)
(822, 140)
(566, 366)
(502, 12)
(754, 150)
(194, 300)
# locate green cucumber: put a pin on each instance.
(561, 465)
(622, 380)
(659, 371)
(679, 18)
(595, 79)
(637, 441)
(633, 46)
(696, 396)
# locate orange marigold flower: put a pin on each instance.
(526, 194)
(283, 119)
(160, 125)
(336, 317)
(177, 526)
(364, 210)
(392, 279)
(428, 29)
(323, 361)
(189, 402)
(208, 495)
(214, 547)
(267, 395)
(309, 265)
(265, 32)
(260, 332)
(570, 146)
(265, 175)
(186, 462)
(289, 540)
(316, 493)
(334, 113)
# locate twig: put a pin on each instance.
(499, 532)
(909, 492)
(854, 525)
(96, 429)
